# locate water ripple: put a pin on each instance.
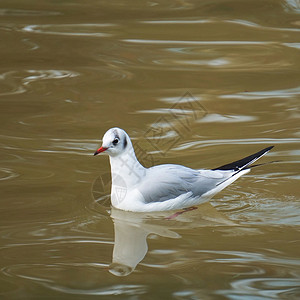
(264, 288)
(29, 13)
(36, 75)
(10, 85)
(258, 95)
(68, 278)
(7, 174)
(16, 82)
(293, 45)
(70, 29)
(217, 118)
(51, 145)
(200, 144)
(241, 22)
(292, 5)
(222, 55)
(272, 210)
(248, 257)
(181, 42)
(252, 24)
(114, 290)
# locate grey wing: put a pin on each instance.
(167, 182)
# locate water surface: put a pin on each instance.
(199, 83)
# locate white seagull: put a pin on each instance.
(163, 187)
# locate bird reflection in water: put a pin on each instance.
(132, 229)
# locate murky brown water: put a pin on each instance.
(222, 80)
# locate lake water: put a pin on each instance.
(198, 83)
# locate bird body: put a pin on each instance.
(167, 186)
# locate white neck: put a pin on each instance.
(126, 169)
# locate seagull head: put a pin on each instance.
(115, 142)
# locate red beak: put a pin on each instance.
(101, 149)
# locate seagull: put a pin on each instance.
(167, 186)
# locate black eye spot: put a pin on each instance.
(115, 142)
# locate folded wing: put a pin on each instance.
(167, 182)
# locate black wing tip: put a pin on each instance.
(268, 148)
(244, 162)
